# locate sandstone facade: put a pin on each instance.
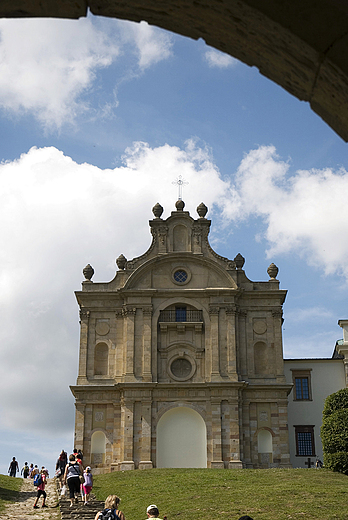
(181, 329)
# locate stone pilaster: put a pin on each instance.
(277, 323)
(242, 350)
(235, 442)
(79, 425)
(146, 462)
(129, 327)
(231, 343)
(127, 414)
(88, 434)
(147, 327)
(84, 322)
(217, 461)
(214, 343)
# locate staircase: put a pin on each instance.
(79, 511)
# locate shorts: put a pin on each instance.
(87, 489)
(41, 492)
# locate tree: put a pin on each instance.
(334, 431)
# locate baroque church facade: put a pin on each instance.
(181, 358)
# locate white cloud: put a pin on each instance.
(305, 214)
(219, 59)
(153, 45)
(48, 64)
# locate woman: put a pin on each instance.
(72, 474)
(60, 467)
(111, 509)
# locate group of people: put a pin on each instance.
(26, 472)
(111, 511)
(70, 472)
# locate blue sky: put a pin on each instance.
(98, 117)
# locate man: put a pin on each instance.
(12, 470)
(25, 470)
(152, 512)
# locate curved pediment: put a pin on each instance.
(180, 271)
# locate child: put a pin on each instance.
(88, 484)
(41, 488)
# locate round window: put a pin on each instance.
(181, 368)
(180, 276)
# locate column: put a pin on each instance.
(231, 343)
(242, 343)
(217, 461)
(79, 425)
(147, 325)
(214, 343)
(277, 327)
(84, 319)
(146, 462)
(235, 443)
(129, 319)
(127, 412)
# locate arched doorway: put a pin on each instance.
(181, 439)
(98, 447)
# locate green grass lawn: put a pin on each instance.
(196, 494)
(9, 488)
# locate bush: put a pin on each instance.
(334, 431)
(336, 401)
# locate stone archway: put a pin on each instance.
(181, 439)
(302, 46)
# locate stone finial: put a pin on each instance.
(88, 272)
(180, 204)
(272, 271)
(239, 261)
(157, 210)
(202, 210)
(121, 262)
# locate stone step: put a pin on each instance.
(79, 511)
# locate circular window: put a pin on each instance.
(180, 276)
(181, 368)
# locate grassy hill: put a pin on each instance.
(196, 494)
(9, 488)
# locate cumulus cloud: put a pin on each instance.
(55, 217)
(305, 213)
(47, 65)
(219, 59)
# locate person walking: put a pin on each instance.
(111, 510)
(12, 470)
(61, 463)
(73, 472)
(152, 512)
(41, 487)
(88, 484)
(25, 470)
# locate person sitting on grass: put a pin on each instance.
(111, 511)
(41, 489)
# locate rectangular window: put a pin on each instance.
(302, 385)
(180, 314)
(305, 441)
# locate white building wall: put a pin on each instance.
(327, 377)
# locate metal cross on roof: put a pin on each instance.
(180, 182)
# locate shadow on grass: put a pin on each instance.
(9, 495)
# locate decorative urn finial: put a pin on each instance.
(121, 262)
(202, 210)
(157, 210)
(239, 261)
(272, 271)
(88, 272)
(180, 204)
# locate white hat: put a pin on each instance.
(151, 507)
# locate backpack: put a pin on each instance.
(108, 514)
(38, 480)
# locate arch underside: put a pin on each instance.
(302, 45)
